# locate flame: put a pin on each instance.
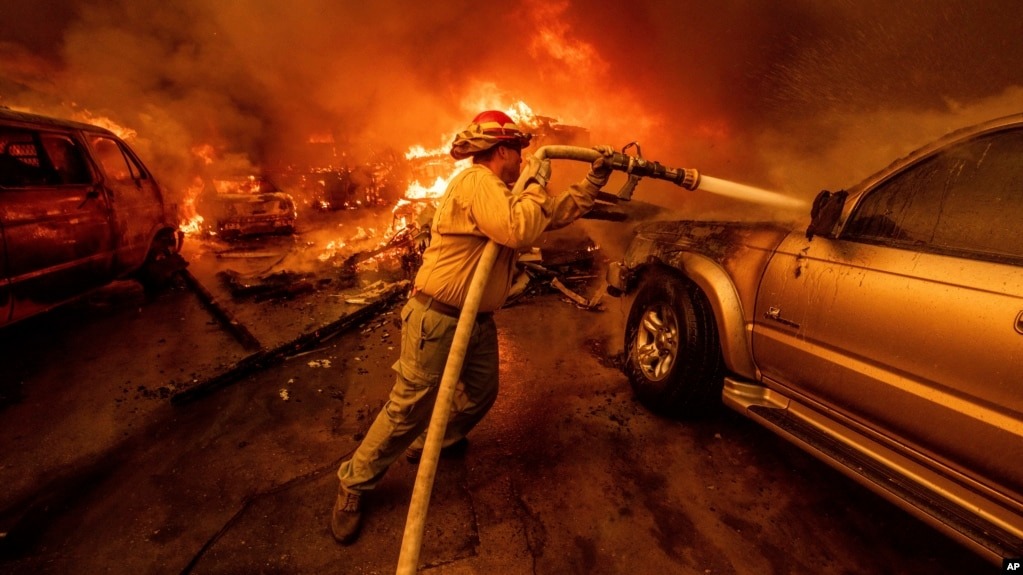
(522, 114)
(248, 185)
(437, 167)
(87, 117)
(434, 190)
(192, 222)
(418, 151)
(331, 249)
(435, 164)
(193, 225)
(105, 122)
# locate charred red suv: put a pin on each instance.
(77, 210)
(886, 338)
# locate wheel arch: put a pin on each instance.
(716, 284)
(163, 258)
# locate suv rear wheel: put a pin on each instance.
(674, 358)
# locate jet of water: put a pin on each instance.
(747, 193)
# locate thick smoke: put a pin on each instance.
(793, 95)
(789, 95)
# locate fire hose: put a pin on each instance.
(415, 523)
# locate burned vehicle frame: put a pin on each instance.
(885, 338)
(78, 209)
(247, 206)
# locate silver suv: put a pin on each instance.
(886, 338)
(77, 210)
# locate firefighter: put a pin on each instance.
(477, 206)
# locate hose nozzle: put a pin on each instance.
(635, 166)
(687, 178)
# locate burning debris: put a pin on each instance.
(379, 182)
(340, 266)
(407, 244)
(342, 263)
(373, 263)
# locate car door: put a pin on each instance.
(56, 221)
(909, 323)
(134, 197)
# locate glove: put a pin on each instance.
(539, 171)
(600, 169)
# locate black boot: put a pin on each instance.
(347, 515)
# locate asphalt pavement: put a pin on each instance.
(105, 473)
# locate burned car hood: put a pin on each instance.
(255, 198)
(719, 240)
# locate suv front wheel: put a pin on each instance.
(674, 358)
(162, 262)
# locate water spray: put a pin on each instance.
(637, 167)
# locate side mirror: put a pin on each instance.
(827, 208)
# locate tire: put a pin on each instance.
(674, 360)
(162, 263)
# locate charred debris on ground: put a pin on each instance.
(384, 272)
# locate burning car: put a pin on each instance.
(247, 206)
(78, 209)
(886, 339)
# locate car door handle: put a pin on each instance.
(774, 313)
(89, 195)
(1019, 322)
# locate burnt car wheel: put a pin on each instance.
(162, 262)
(674, 358)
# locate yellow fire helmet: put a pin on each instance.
(485, 131)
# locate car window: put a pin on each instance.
(965, 200)
(117, 163)
(67, 159)
(23, 162)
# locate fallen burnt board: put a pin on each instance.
(225, 317)
(269, 357)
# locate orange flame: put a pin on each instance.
(192, 222)
(105, 122)
(436, 167)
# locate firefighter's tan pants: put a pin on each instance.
(425, 342)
